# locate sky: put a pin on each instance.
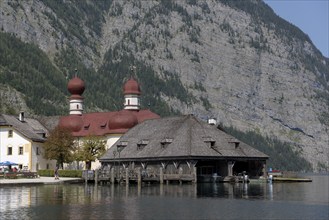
(311, 16)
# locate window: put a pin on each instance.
(10, 133)
(234, 141)
(209, 141)
(20, 150)
(165, 142)
(142, 143)
(86, 126)
(103, 125)
(38, 152)
(9, 151)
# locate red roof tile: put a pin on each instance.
(103, 123)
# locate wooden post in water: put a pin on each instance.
(139, 189)
(161, 175)
(96, 176)
(127, 176)
(161, 189)
(195, 174)
(180, 172)
(112, 175)
(230, 165)
(86, 176)
(139, 176)
(127, 190)
(264, 170)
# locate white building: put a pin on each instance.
(21, 142)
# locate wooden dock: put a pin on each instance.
(132, 177)
(291, 179)
(128, 176)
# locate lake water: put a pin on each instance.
(199, 201)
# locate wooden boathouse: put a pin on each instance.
(179, 149)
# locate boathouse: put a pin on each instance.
(182, 148)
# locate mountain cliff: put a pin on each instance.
(233, 60)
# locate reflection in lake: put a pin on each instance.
(193, 201)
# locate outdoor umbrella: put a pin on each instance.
(7, 163)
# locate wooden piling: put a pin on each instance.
(230, 165)
(96, 176)
(161, 175)
(112, 175)
(127, 176)
(180, 173)
(139, 176)
(139, 189)
(86, 176)
(195, 175)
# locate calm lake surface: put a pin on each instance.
(199, 201)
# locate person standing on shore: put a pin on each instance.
(56, 173)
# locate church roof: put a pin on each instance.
(179, 137)
(30, 128)
(103, 123)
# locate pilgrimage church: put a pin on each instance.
(108, 125)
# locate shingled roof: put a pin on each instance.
(179, 137)
(30, 128)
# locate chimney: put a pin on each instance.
(212, 121)
(21, 116)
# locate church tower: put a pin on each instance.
(76, 87)
(131, 93)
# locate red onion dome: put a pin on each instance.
(123, 120)
(76, 86)
(73, 123)
(131, 87)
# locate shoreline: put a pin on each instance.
(40, 180)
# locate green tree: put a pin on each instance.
(60, 146)
(92, 148)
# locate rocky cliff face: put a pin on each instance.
(11, 100)
(248, 72)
